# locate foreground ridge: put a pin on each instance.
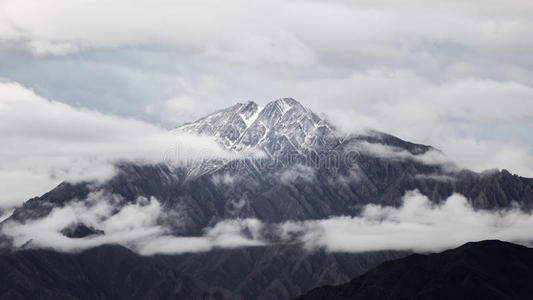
(488, 269)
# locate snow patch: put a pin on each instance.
(283, 106)
(250, 120)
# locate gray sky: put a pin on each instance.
(454, 74)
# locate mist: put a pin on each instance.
(417, 225)
(47, 142)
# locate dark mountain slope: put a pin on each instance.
(106, 272)
(202, 201)
(477, 270)
(275, 272)
(114, 272)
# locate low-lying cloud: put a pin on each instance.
(418, 225)
(431, 157)
(45, 142)
(135, 225)
(479, 123)
(303, 172)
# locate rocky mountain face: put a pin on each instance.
(480, 270)
(282, 127)
(308, 170)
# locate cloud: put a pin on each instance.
(225, 234)
(218, 31)
(180, 108)
(438, 39)
(431, 157)
(46, 142)
(224, 179)
(395, 93)
(53, 26)
(131, 222)
(305, 173)
(136, 225)
(478, 123)
(456, 75)
(418, 225)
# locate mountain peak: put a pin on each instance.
(248, 112)
(282, 125)
(247, 105)
(286, 104)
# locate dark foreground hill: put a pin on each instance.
(114, 272)
(477, 270)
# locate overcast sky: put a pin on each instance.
(454, 74)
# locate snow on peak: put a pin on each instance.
(250, 116)
(281, 124)
(283, 106)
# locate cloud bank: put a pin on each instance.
(418, 225)
(431, 157)
(479, 123)
(453, 74)
(302, 26)
(45, 142)
(135, 225)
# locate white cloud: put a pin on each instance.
(428, 71)
(224, 179)
(183, 107)
(45, 142)
(476, 122)
(397, 93)
(53, 48)
(133, 225)
(418, 225)
(208, 28)
(289, 175)
(278, 30)
(133, 222)
(236, 233)
(431, 157)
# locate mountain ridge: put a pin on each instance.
(283, 123)
(115, 272)
(489, 269)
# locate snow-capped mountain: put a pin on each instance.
(282, 126)
(287, 191)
